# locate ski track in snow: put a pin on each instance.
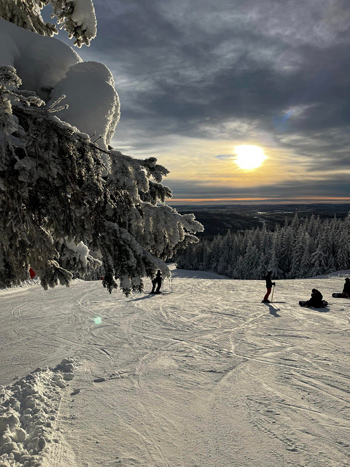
(204, 376)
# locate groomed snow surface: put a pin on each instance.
(204, 376)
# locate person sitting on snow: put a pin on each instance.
(269, 285)
(346, 289)
(316, 299)
(157, 281)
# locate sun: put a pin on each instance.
(249, 157)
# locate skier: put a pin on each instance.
(269, 285)
(346, 289)
(316, 299)
(157, 281)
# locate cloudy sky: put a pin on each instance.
(198, 77)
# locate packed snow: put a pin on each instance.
(203, 374)
(28, 414)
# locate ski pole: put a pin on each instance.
(273, 289)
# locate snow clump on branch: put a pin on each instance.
(77, 17)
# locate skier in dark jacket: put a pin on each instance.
(269, 285)
(157, 282)
(316, 299)
(346, 289)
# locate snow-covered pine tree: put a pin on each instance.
(62, 195)
(298, 253)
(250, 261)
(234, 252)
(289, 251)
(314, 226)
(287, 246)
(205, 264)
(238, 269)
(262, 266)
(264, 239)
(216, 252)
(305, 262)
(295, 223)
(331, 233)
(343, 245)
(273, 266)
(225, 253)
(320, 258)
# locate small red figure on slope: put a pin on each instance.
(32, 273)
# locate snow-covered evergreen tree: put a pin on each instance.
(225, 249)
(319, 259)
(290, 251)
(298, 254)
(61, 195)
(216, 252)
(273, 266)
(250, 261)
(343, 245)
(205, 265)
(287, 247)
(262, 266)
(239, 270)
(305, 261)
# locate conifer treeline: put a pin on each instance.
(302, 248)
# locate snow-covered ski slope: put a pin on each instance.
(205, 376)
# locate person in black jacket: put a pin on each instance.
(346, 289)
(316, 299)
(269, 285)
(157, 281)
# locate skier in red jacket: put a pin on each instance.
(32, 273)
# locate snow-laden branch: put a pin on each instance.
(77, 17)
(59, 200)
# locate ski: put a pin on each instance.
(339, 295)
(304, 304)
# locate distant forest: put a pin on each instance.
(301, 248)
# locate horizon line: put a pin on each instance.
(272, 200)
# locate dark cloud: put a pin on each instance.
(231, 68)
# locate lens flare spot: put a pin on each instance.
(98, 320)
(249, 157)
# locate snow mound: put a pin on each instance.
(28, 412)
(89, 91)
(51, 69)
(41, 62)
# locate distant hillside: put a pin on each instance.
(220, 219)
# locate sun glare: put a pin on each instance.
(249, 157)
